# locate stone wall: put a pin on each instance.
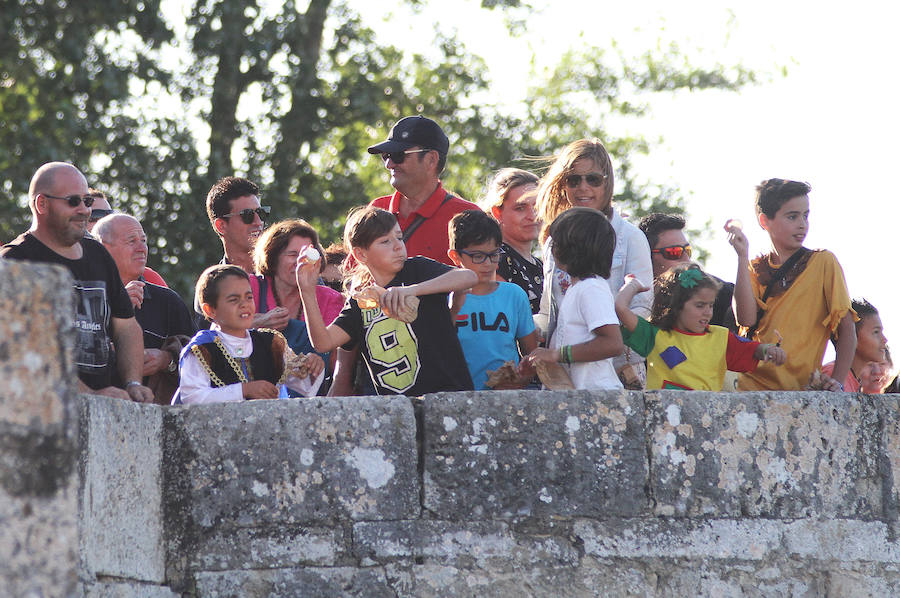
(457, 494)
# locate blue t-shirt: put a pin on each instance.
(488, 326)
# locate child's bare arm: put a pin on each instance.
(770, 352)
(632, 287)
(844, 347)
(528, 343)
(259, 389)
(744, 302)
(324, 338)
(607, 342)
(458, 279)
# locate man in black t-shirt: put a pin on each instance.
(163, 316)
(60, 210)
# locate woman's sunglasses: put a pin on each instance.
(74, 200)
(593, 179)
(247, 214)
(400, 157)
(673, 252)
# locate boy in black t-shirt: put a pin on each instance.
(404, 357)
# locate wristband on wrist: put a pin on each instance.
(131, 383)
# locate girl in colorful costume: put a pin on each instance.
(683, 350)
(231, 361)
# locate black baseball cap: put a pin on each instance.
(413, 131)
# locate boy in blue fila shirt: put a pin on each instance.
(492, 317)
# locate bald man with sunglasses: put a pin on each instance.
(60, 209)
(669, 247)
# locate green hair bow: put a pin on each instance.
(690, 277)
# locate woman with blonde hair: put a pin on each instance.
(581, 175)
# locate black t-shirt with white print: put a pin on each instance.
(99, 295)
(410, 359)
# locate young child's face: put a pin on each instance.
(233, 311)
(789, 226)
(487, 251)
(870, 339)
(875, 377)
(584, 194)
(697, 311)
(387, 253)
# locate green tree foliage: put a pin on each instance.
(288, 94)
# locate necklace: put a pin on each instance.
(195, 349)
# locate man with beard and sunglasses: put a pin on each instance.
(669, 247)
(415, 154)
(60, 208)
(237, 217)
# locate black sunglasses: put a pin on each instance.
(594, 179)
(248, 214)
(74, 200)
(400, 157)
(673, 252)
(98, 213)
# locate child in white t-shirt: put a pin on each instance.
(587, 331)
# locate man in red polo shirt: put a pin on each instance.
(415, 154)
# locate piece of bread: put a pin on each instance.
(370, 298)
(505, 376)
(554, 376)
(296, 365)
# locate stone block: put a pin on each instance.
(738, 580)
(772, 455)
(268, 548)
(329, 582)
(128, 590)
(435, 580)
(842, 540)
(651, 538)
(534, 454)
(36, 343)
(38, 432)
(122, 527)
(282, 465)
(459, 543)
(888, 408)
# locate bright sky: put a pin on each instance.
(832, 121)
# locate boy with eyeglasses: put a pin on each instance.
(669, 247)
(493, 319)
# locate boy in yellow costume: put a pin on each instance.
(792, 295)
